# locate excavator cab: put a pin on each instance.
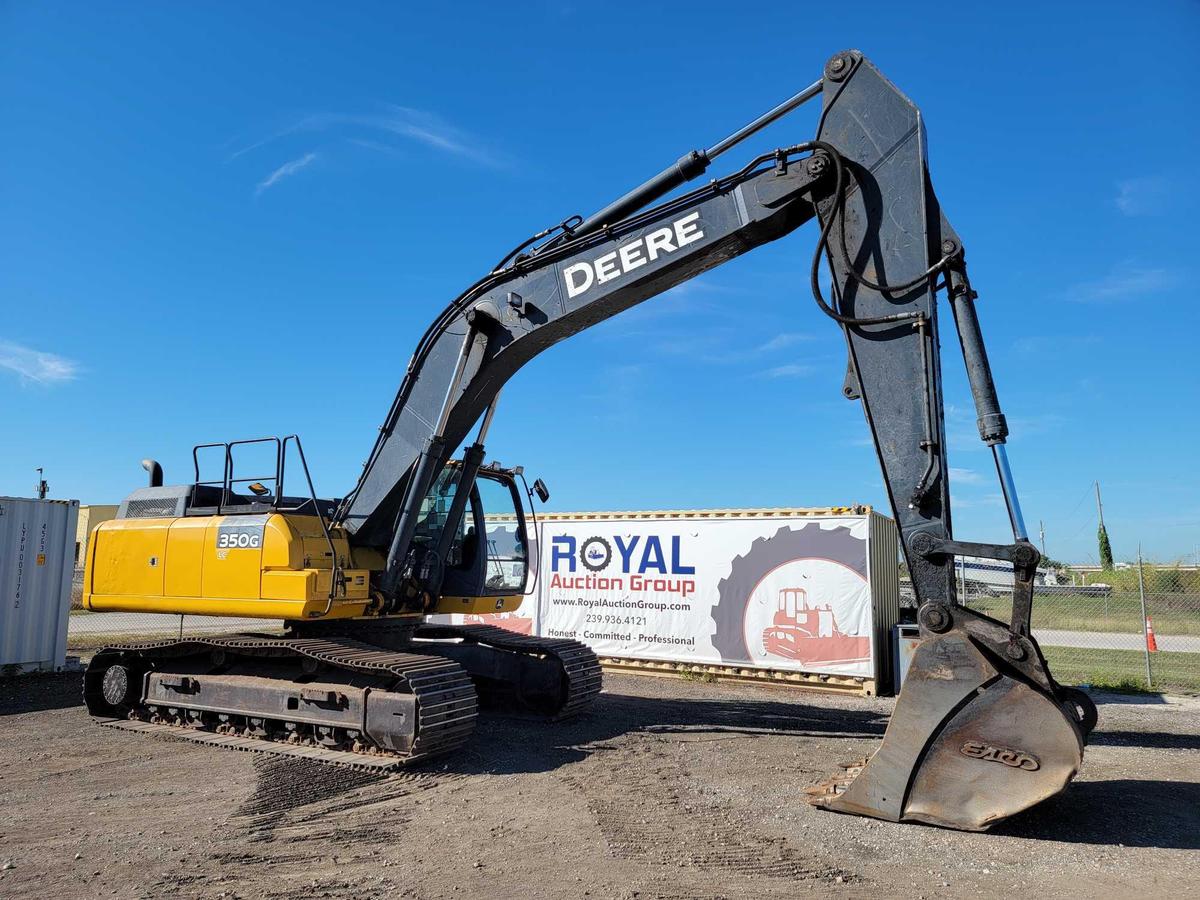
(478, 542)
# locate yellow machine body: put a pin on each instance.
(272, 566)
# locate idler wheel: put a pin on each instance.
(117, 687)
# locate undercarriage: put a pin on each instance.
(404, 695)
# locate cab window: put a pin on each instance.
(507, 555)
(435, 509)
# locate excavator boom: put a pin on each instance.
(981, 729)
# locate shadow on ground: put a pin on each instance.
(508, 744)
(38, 692)
(1143, 698)
(1155, 740)
(1121, 812)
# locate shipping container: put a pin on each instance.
(37, 543)
(811, 594)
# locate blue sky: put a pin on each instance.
(220, 221)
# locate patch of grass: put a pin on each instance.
(1124, 670)
(1124, 686)
(1121, 612)
(697, 675)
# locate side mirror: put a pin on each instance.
(543, 492)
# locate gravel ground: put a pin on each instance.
(669, 789)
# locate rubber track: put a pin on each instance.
(585, 678)
(446, 702)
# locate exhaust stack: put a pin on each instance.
(155, 470)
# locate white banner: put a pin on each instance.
(777, 593)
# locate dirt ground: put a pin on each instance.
(668, 789)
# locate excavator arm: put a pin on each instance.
(981, 729)
(514, 313)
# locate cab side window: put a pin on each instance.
(435, 509)
(507, 555)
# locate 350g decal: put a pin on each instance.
(243, 535)
(228, 540)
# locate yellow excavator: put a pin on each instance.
(360, 676)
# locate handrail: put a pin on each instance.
(336, 577)
(337, 581)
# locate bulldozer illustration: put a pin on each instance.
(810, 634)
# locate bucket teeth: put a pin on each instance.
(835, 784)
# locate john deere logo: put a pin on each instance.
(1012, 758)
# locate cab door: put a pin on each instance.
(506, 551)
(489, 555)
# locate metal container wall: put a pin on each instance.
(804, 592)
(37, 541)
(904, 639)
(885, 594)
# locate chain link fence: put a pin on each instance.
(1120, 628)
(88, 631)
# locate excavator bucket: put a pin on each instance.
(970, 743)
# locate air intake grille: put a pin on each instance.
(151, 509)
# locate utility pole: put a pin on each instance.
(42, 488)
(1042, 535)
(1106, 555)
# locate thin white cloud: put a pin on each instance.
(1149, 195)
(625, 372)
(285, 171)
(689, 298)
(1126, 281)
(1045, 343)
(36, 365)
(377, 146)
(715, 345)
(614, 400)
(962, 433)
(987, 500)
(780, 341)
(427, 129)
(1029, 426)
(402, 122)
(700, 347)
(791, 370)
(965, 476)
